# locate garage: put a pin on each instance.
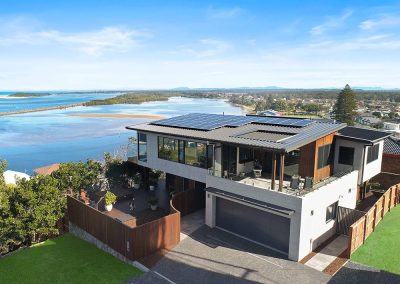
(261, 226)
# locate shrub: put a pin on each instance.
(109, 198)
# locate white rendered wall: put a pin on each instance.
(358, 157)
(277, 198)
(314, 228)
(366, 171)
(175, 168)
(373, 168)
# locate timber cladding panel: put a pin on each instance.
(361, 229)
(133, 243)
(309, 159)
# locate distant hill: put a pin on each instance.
(29, 95)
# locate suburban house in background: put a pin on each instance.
(277, 181)
(391, 156)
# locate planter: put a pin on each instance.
(109, 207)
(136, 185)
(152, 187)
(154, 207)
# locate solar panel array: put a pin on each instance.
(203, 121)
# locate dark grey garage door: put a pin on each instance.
(261, 226)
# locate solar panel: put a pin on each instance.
(201, 121)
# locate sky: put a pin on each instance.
(127, 44)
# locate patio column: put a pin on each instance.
(281, 171)
(273, 177)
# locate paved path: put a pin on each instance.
(214, 256)
(328, 254)
(191, 223)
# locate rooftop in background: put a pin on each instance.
(11, 177)
(47, 170)
(275, 133)
(363, 134)
(391, 146)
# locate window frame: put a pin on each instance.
(247, 158)
(332, 215)
(373, 153)
(324, 159)
(199, 161)
(142, 158)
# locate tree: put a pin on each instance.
(36, 205)
(312, 108)
(280, 105)
(378, 114)
(3, 166)
(77, 176)
(345, 106)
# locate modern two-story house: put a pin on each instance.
(276, 181)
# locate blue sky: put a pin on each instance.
(49, 45)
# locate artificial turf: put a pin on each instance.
(65, 259)
(382, 248)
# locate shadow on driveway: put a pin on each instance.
(214, 256)
(354, 273)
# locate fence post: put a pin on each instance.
(383, 206)
(350, 242)
(390, 197)
(365, 228)
(376, 211)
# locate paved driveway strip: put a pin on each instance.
(214, 256)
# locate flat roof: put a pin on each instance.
(283, 138)
(363, 134)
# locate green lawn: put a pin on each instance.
(65, 259)
(382, 247)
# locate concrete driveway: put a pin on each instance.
(214, 256)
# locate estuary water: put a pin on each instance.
(32, 140)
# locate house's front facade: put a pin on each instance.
(276, 181)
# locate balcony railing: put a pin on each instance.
(265, 181)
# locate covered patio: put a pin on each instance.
(259, 167)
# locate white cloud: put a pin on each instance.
(387, 21)
(224, 13)
(94, 43)
(206, 48)
(331, 22)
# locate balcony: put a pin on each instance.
(264, 182)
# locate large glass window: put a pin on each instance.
(186, 152)
(346, 155)
(196, 154)
(373, 153)
(324, 156)
(142, 147)
(245, 155)
(168, 149)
